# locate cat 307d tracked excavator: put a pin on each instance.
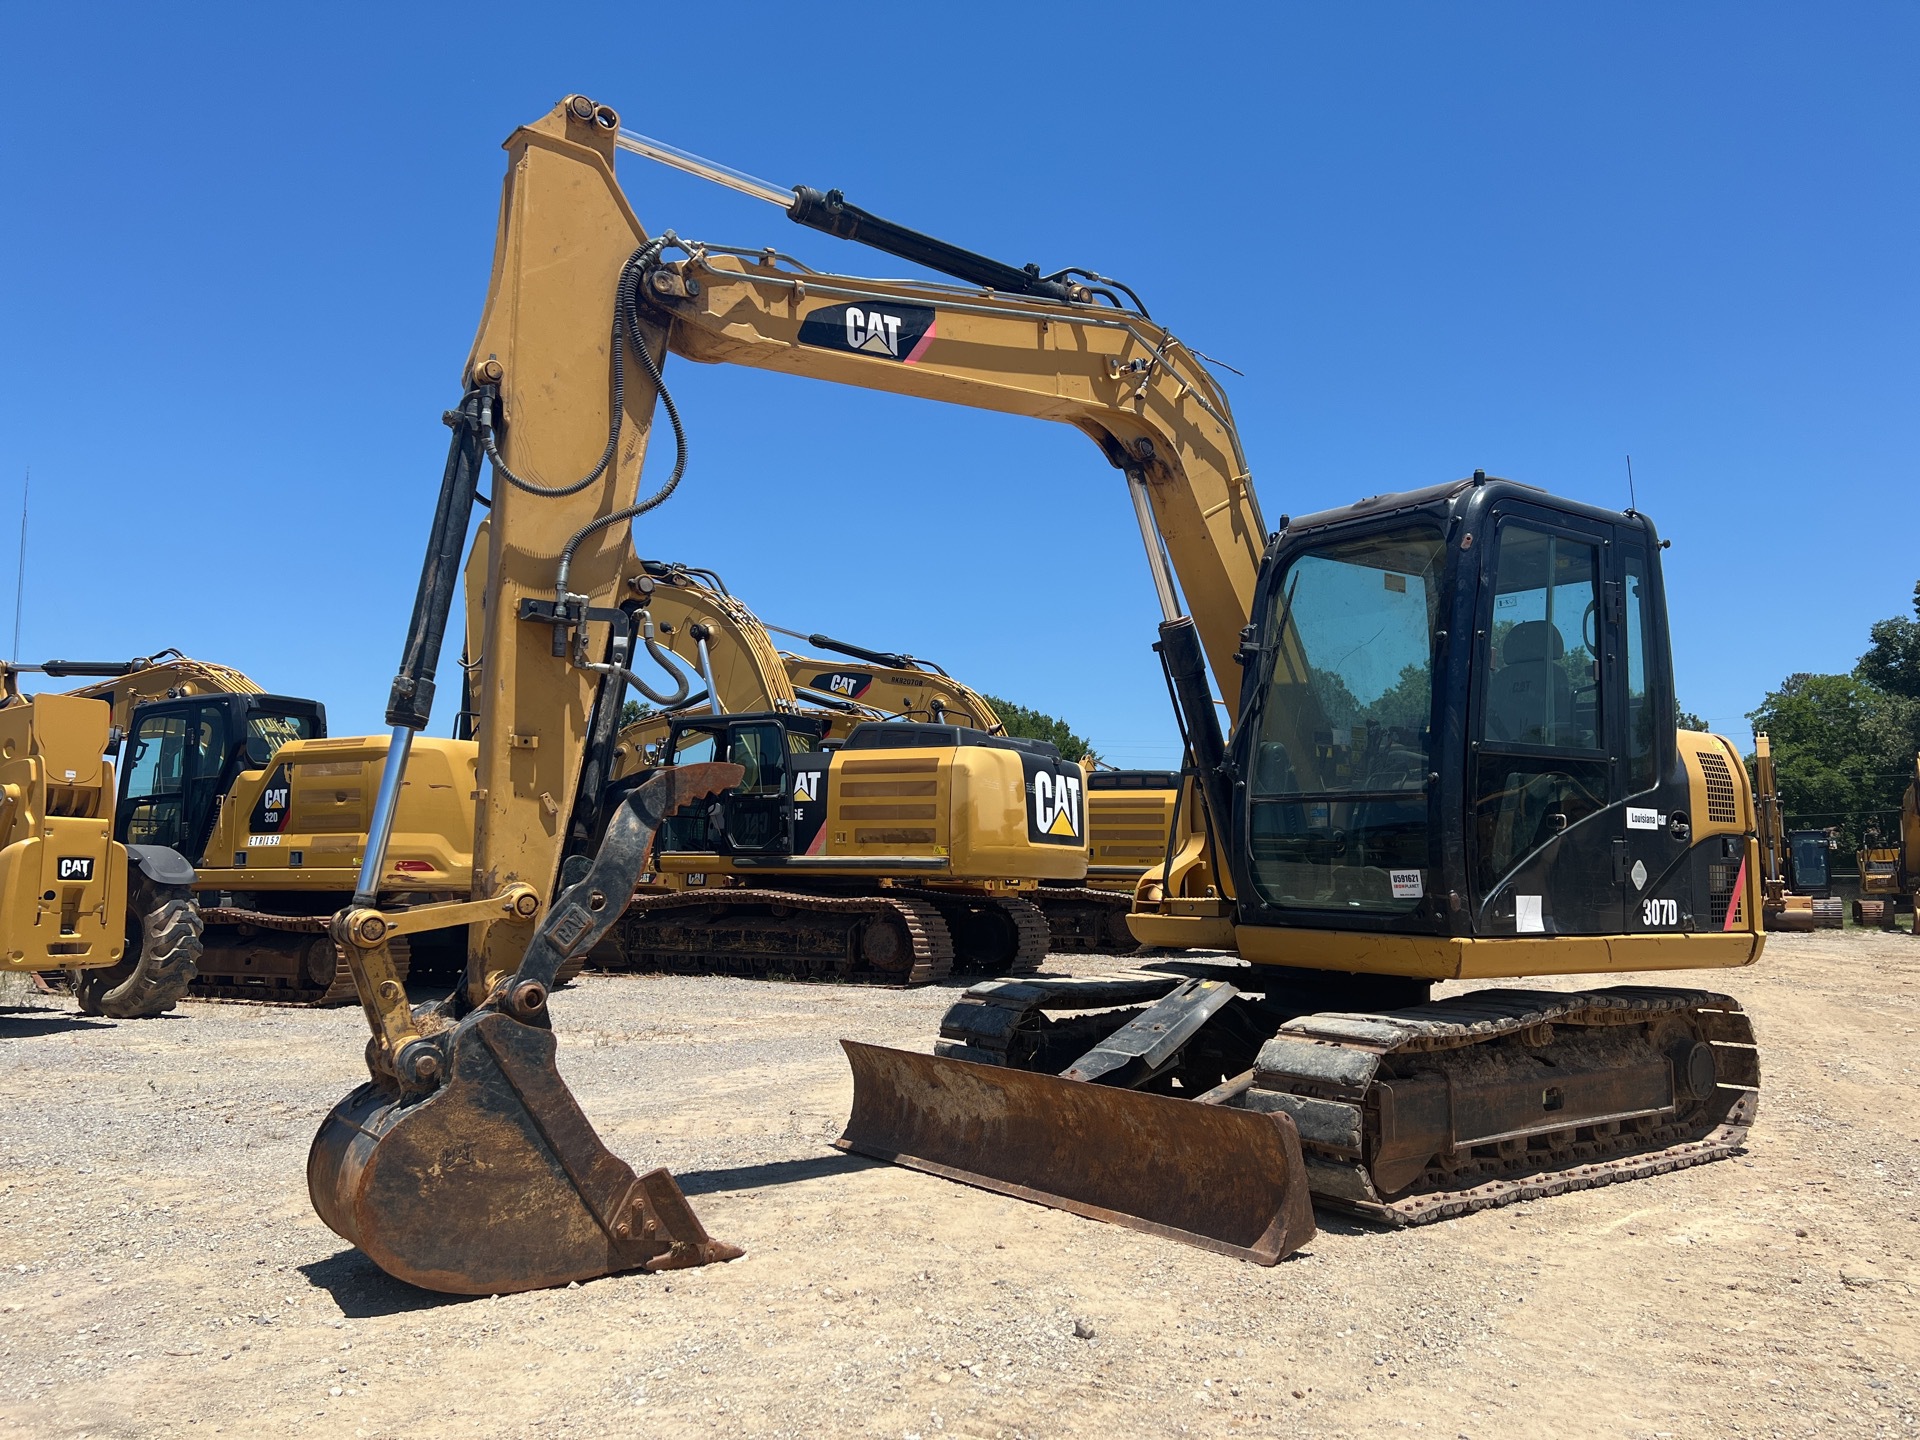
(1453, 757)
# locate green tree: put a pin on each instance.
(1842, 749)
(633, 712)
(1892, 661)
(1406, 705)
(1690, 721)
(1025, 724)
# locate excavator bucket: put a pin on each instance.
(1224, 1179)
(494, 1181)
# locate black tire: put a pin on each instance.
(163, 951)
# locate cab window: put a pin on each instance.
(758, 751)
(1540, 766)
(1338, 794)
(267, 733)
(1637, 639)
(694, 747)
(1544, 688)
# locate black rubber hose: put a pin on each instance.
(627, 318)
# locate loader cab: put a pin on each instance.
(183, 755)
(758, 816)
(1459, 720)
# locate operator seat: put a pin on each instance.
(1530, 698)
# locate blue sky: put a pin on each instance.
(245, 249)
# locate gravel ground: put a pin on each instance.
(161, 1272)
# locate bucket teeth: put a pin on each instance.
(495, 1182)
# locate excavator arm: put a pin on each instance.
(561, 384)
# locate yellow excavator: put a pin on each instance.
(1453, 757)
(116, 920)
(1795, 881)
(1890, 873)
(860, 846)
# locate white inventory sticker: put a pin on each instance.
(263, 840)
(1407, 884)
(1526, 915)
(1642, 819)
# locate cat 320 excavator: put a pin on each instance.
(861, 845)
(1453, 757)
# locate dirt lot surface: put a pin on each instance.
(161, 1272)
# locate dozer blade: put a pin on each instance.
(496, 1181)
(1224, 1179)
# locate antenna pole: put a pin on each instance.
(20, 573)
(1633, 502)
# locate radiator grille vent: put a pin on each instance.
(1722, 807)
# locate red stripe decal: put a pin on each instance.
(921, 348)
(1734, 905)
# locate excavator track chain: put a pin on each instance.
(301, 977)
(1006, 1022)
(895, 939)
(992, 934)
(1085, 921)
(1415, 1115)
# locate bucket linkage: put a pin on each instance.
(488, 1178)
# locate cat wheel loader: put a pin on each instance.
(1453, 757)
(263, 816)
(116, 920)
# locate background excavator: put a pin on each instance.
(1490, 785)
(898, 865)
(1795, 865)
(859, 846)
(1890, 873)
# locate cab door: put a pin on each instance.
(173, 777)
(756, 817)
(1544, 791)
(1654, 835)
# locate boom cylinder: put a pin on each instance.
(410, 703)
(1186, 669)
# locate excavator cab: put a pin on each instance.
(184, 754)
(759, 815)
(1809, 863)
(1459, 722)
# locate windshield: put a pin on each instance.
(1809, 859)
(267, 733)
(1338, 789)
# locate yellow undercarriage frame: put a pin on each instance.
(1207, 923)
